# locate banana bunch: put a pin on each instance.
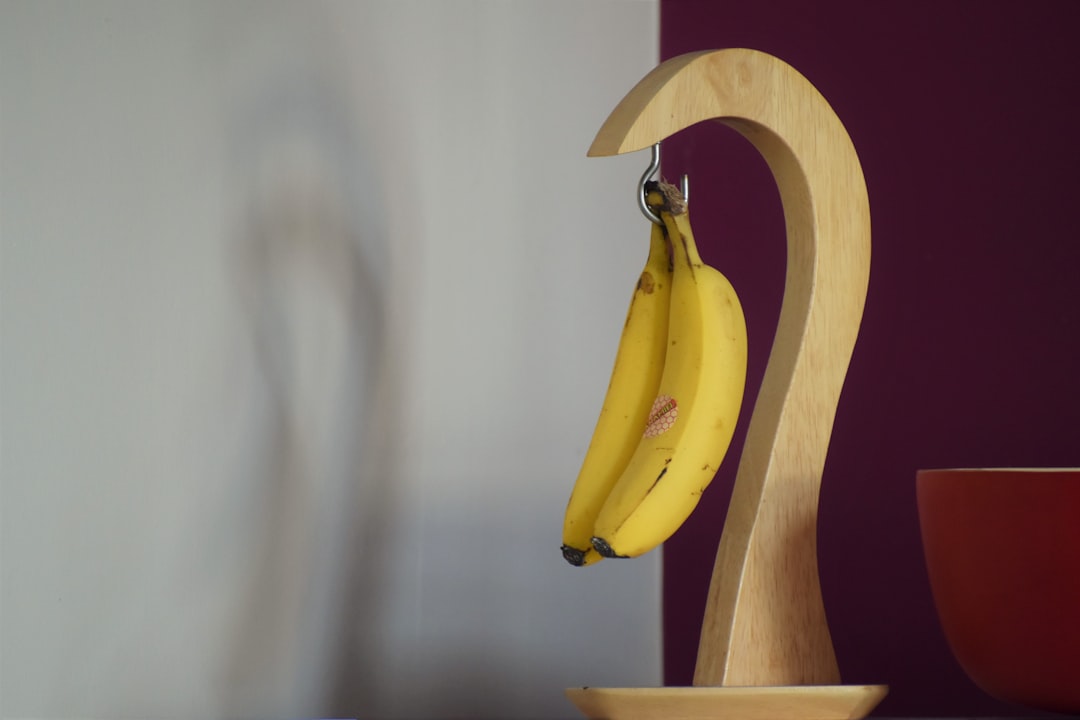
(671, 405)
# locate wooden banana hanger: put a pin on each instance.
(765, 649)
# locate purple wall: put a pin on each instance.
(965, 118)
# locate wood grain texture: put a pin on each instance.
(765, 621)
(819, 702)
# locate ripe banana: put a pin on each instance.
(693, 417)
(635, 377)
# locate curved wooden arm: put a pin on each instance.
(765, 621)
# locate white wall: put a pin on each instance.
(307, 311)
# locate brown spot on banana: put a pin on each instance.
(662, 474)
(690, 266)
(646, 283)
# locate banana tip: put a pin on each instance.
(601, 546)
(573, 556)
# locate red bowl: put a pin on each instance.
(1002, 550)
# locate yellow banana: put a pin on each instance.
(635, 377)
(693, 417)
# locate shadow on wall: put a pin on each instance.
(306, 264)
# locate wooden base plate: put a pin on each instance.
(809, 702)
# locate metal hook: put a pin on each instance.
(649, 172)
(654, 165)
